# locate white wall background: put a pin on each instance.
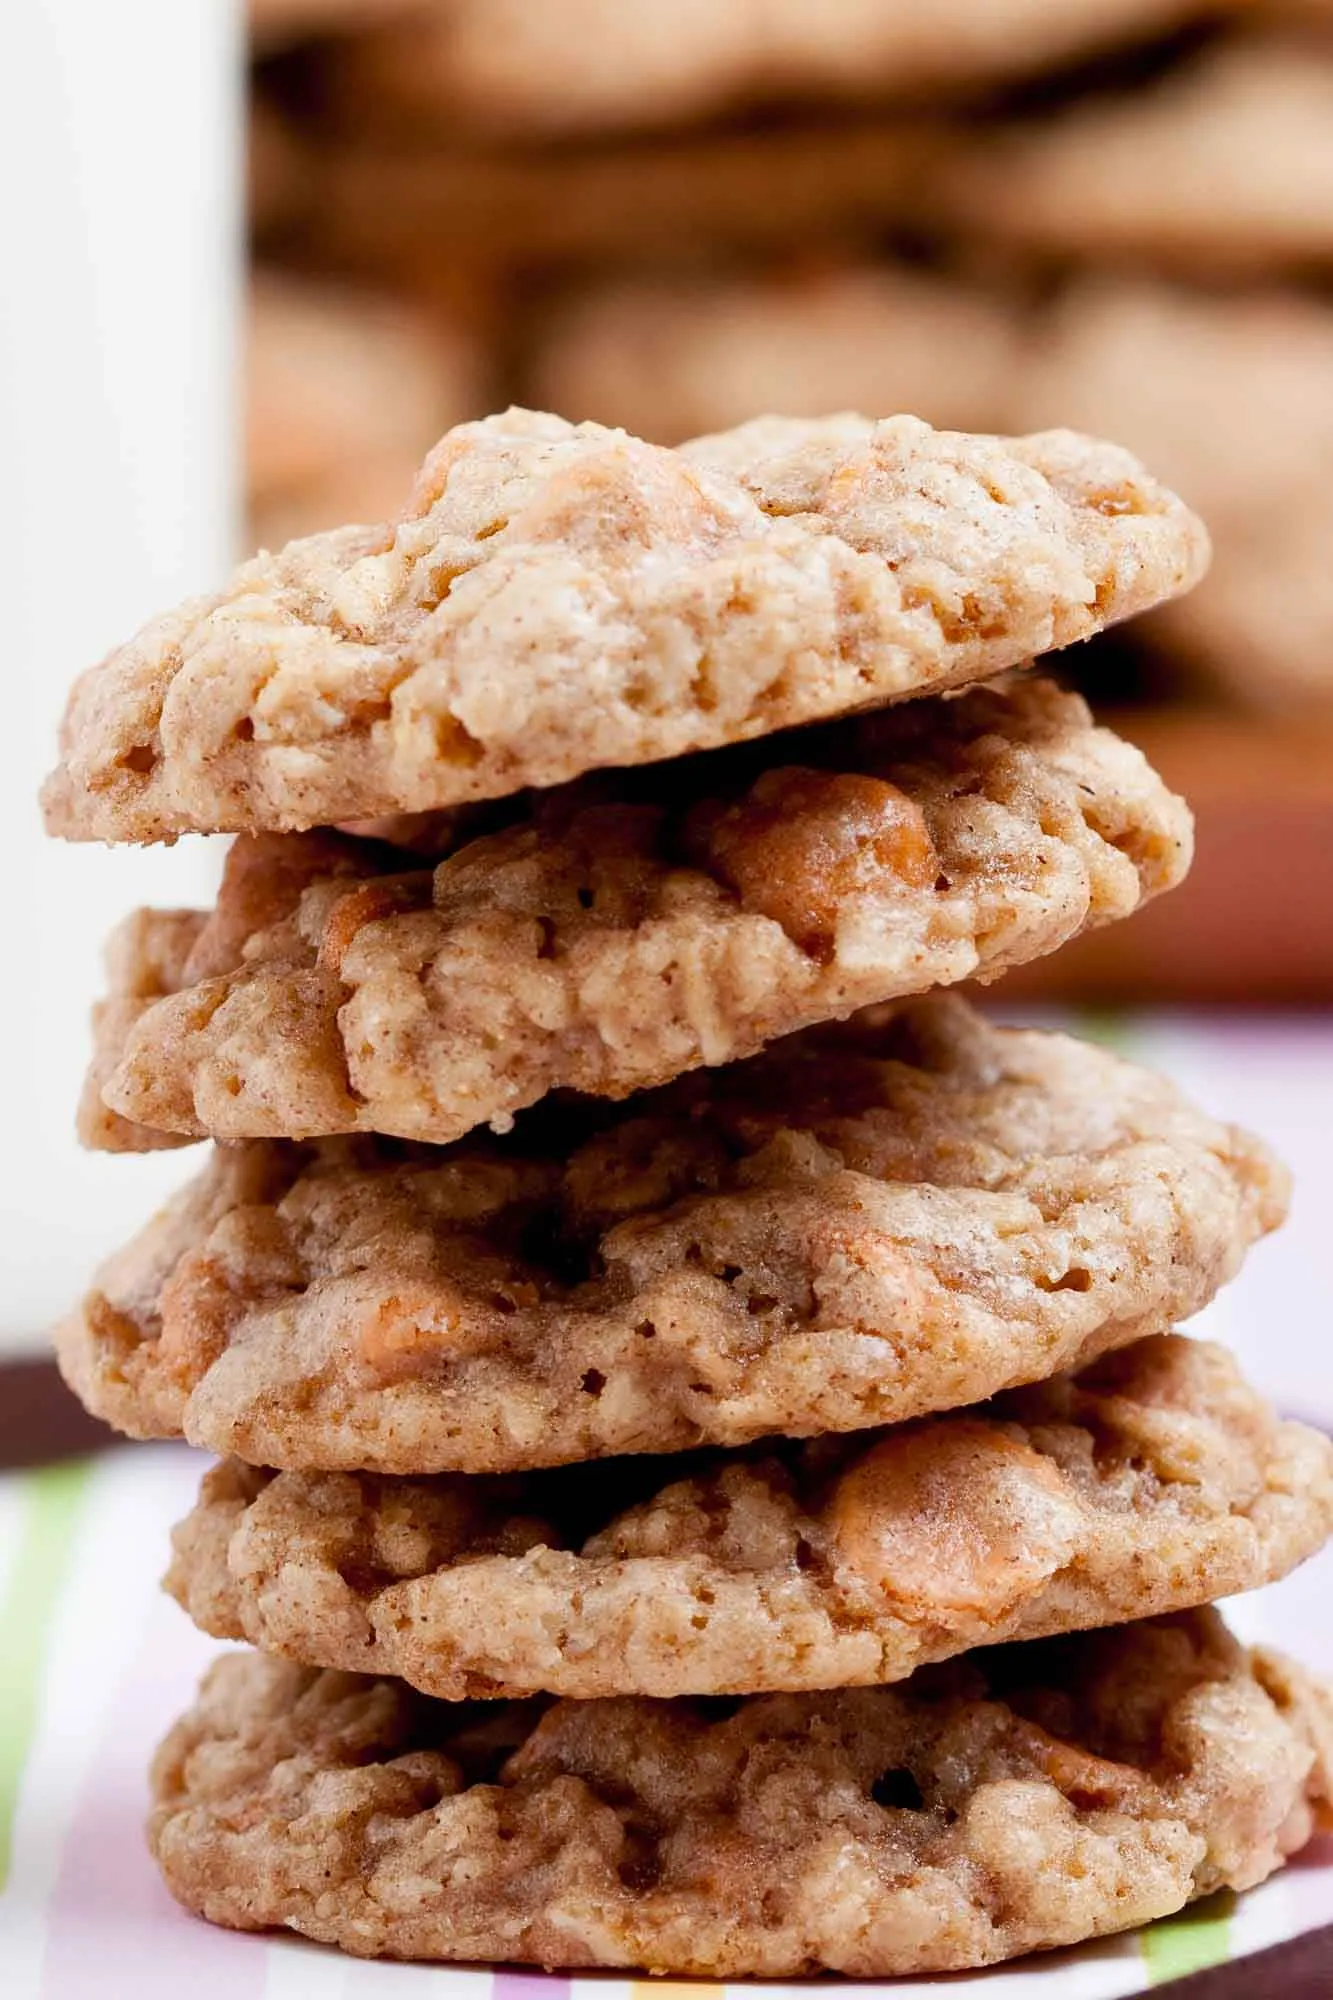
(120, 129)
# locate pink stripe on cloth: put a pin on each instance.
(111, 1926)
(529, 1986)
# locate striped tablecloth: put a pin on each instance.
(94, 1661)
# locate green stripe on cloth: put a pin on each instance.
(1199, 1937)
(52, 1502)
(1112, 1028)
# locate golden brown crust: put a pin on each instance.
(1021, 1798)
(561, 598)
(903, 1214)
(1153, 1482)
(611, 936)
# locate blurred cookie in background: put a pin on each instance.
(586, 65)
(345, 392)
(276, 23)
(403, 207)
(1232, 396)
(1249, 927)
(1222, 165)
(278, 169)
(670, 361)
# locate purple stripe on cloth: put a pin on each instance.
(112, 1928)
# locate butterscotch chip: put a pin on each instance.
(1155, 364)
(904, 1214)
(558, 598)
(573, 65)
(1153, 1482)
(668, 359)
(1225, 166)
(1021, 1798)
(612, 936)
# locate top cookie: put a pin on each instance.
(563, 597)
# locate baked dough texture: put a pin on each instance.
(1015, 1800)
(907, 1213)
(609, 937)
(1154, 1481)
(559, 598)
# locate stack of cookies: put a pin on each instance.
(663, 1354)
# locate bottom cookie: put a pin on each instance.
(1019, 1798)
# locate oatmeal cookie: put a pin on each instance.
(610, 936)
(1151, 1482)
(1017, 1799)
(559, 598)
(904, 1214)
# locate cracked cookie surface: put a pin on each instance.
(617, 933)
(1154, 1481)
(906, 1213)
(561, 598)
(1017, 1799)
